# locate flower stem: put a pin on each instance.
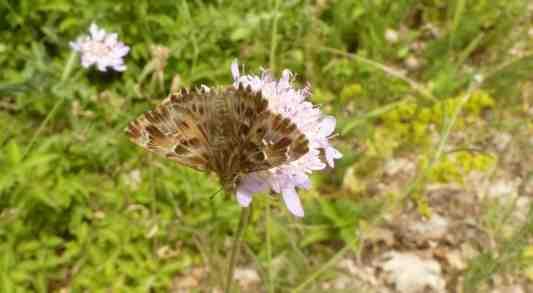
(274, 39)
(41, 127)
(66, 72)
(336, 258)
(268, 220)
(268, 236)
(243, 223)
(68, 66)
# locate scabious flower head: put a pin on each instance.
(291, 103)
(102, 49)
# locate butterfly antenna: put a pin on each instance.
(213, 195)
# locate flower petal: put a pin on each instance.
(97, 33)
(75, 46)
(101, 67)
(119, 67)
(249, 184)
(235, 70)
(332, 154)
(327, 126)
(292, 201)
(300, 179)
(244, 197)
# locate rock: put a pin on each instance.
(247, 277)
(503, 189)
(133, 179)
(501, 140)
(508, 289)
(391, 36)
(410, 274)
(433, 229)
(455, 259)
(412, 63)
(348, 265)
(521, 209)
(187, 282)
(399, 165)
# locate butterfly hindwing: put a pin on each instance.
(245, 106)
(267, 139)
(273, 141)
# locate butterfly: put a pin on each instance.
(229, 131)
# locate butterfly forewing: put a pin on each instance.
(175, 129)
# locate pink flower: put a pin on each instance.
(102, 49)
(290, 103)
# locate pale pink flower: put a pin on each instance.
(290, 103)
(102, 49)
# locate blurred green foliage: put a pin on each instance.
(82, 208)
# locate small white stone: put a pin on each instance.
(502, 188)
(478, 78)
(133, 179)
(455, 259)
(501, 140)
(398, 165)
(409, 273)
(521, 209)
(509, 289)
(246, 276)
(434, 228)
(412, 63)
(391, 36)
(348, 265)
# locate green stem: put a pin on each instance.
(243, 223)
(66, 72)
(274, 39)
(268, 220)
(69, 66)
(420, 88)
(442, 143)
(268, 236)
(323, 268)
(42, 126)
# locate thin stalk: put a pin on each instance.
(443, 140)
(373, 114)
(322, 269)
(268, 236)
(274, 39)
(66, 72)
(243, 223)
(42, 126)
(194, 40)
(421, 89)
(69, 66)
(268, 219)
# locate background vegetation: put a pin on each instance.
(439, 84)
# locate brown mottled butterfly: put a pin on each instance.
(228, 131)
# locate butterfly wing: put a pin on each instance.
(273, 141)
(267, 139)
(228, 131)
(176, 129)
